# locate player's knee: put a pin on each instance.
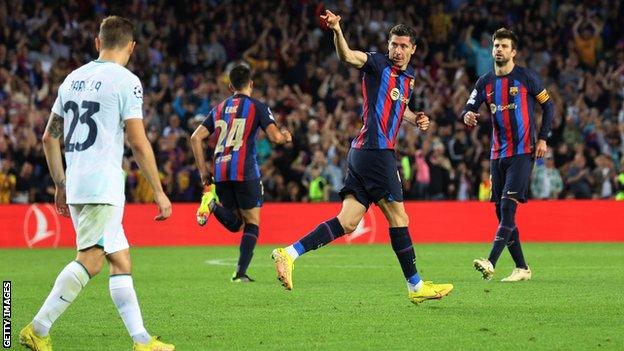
(234, 226)
(497, 208)
(92, 260)
(93, 266)
(348, 225)
(399, 219)
(508, 212)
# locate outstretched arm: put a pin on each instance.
(355, 58)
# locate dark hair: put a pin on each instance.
(403, 30)
(115, 32)
(240, 76)
(504, 33)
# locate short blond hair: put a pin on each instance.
(115, 32)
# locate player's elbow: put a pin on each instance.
(195, 138)
(279, 140)
(47, 138)
(138, 145)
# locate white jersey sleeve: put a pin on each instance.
(57, 108)
(131, 99)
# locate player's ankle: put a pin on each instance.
(414, 283)
(292, 252)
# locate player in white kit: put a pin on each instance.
(95, 103)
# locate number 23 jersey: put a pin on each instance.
(95, 100)
(237, 120)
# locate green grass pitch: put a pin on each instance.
(344, 298)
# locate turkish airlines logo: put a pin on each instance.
(365, 231)
(41, 226)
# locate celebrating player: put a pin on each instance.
(94, 105)
(510, 92)
(236, 173)
(372, 177)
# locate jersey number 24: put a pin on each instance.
(234, 137)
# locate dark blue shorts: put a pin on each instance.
(243, 195)
(511, 177)
(372, 175)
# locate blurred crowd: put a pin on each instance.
(185, 48)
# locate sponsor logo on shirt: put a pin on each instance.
(501, 108)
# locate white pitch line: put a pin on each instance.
(232, 262)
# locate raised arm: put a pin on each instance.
(355, 58)
(575, 27)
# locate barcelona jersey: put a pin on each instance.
(387, 91)
(236, 121)
(511, 101)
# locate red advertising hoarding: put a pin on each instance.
(38, 225)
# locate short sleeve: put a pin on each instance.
(411, 104)
(57, 108)
(131, 99)
(476, 97)
(265, 116)
(374, 62)
(536, 88)
(209, 121)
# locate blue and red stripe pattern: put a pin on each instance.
(511, 102)
(236, 122)
(386, 90)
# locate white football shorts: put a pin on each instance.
(99, 225)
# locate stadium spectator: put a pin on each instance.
(546, 180)
(184, 53)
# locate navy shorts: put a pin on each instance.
(511, 177)
(243, 195)
(372, 175)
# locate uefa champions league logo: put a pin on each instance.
(41, 226)
(365, 231)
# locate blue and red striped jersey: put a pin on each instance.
(387, 91)
(237, 120)
(511, 100)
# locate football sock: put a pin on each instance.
(66, 288)
(414, 283)
(323, 234)
(515, 249)
(125, 299)
(505, 228)
(247, 244)
(226, 217)
(404, 250)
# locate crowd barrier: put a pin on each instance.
(38, 225)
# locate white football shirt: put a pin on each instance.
(94, 101)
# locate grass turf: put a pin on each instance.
(344, 297)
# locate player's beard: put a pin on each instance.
(501, 62)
